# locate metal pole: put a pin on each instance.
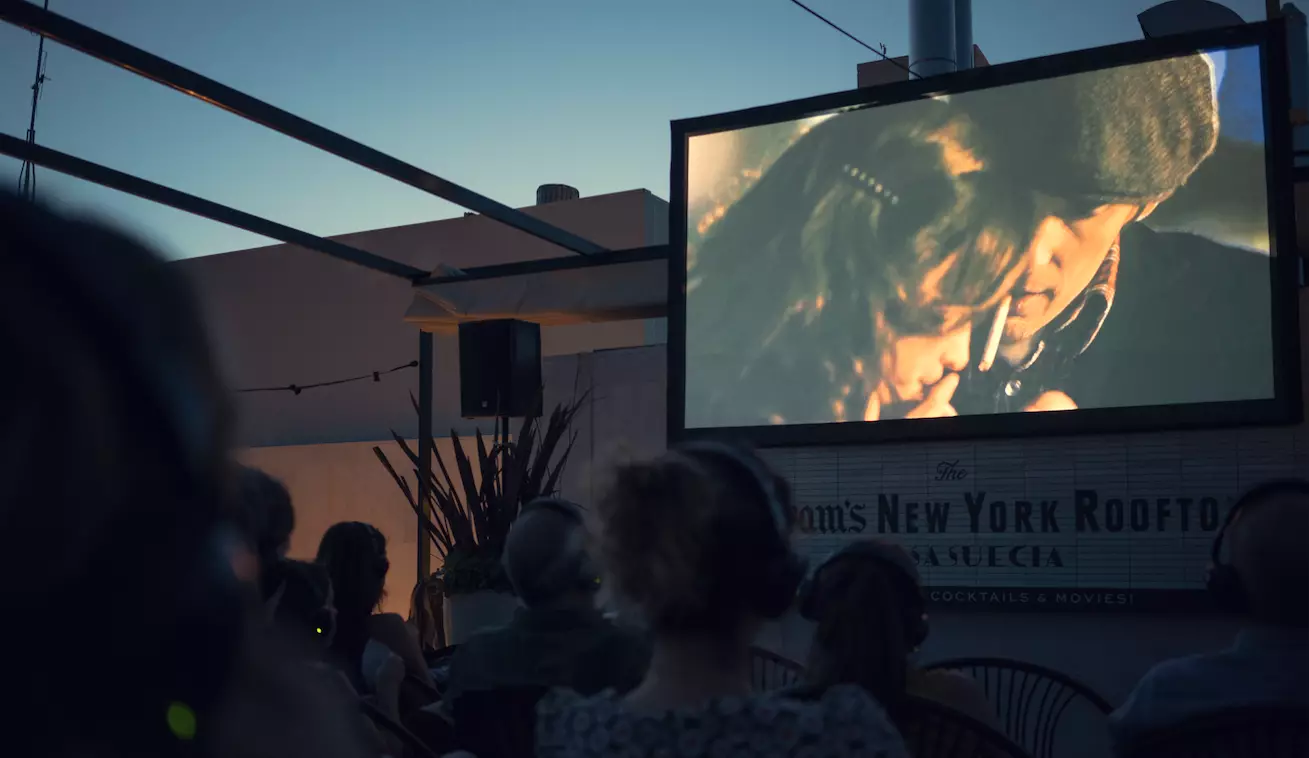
(116, 52)
(158, 193)
(963, 34)
(931, 37)
(424, 451)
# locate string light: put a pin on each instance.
(296, 389)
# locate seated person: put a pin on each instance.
(699, 539)
(300, 603)
(300, 606)
(868, 604)
(354, 555)
(1264, 576)
(559, 638)
(266, 517)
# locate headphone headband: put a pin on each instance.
(574, 558)
(1251, 498)
(771, 586)
(764, 481)
(558, 505)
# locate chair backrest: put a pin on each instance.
(770, 671)
(932, 730)
(499, 723)
(1250, 732)
(1030, 700)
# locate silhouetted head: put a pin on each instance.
(266, 514)
(868, 605)
(115, 475)
(300, 601)
(547, 556)
(698, 539)
(354, 554)
(1268, 544)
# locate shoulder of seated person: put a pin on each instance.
(1179, 675)
(387, 620)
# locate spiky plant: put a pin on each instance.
(467, 519)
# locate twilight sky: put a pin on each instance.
(497, 95)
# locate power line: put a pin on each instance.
(296, 389)
(879, 53)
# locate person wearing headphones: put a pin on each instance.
(116, 474)
(558, 638)
(699, 540)
(867, 603)
(1259, 572)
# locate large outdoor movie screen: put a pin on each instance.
(1099, 240)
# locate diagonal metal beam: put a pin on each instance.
(158, 193)
(111, 50)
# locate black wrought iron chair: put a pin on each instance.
(499, 723)
(1251, 732)
(932, 730)
(770, 671)
(1032, 701)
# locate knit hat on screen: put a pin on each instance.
(1131, 132)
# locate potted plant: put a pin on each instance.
(468, 512)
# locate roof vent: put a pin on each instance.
(555, 193)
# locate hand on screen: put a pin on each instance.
(1051, 401)
(937, 402)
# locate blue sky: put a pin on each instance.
(497, 95)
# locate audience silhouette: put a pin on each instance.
(1260, 571)
(867, 603)
(209, 641)
(559, 638)
(699, 540)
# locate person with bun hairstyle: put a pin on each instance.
(868, 605)
(699, 541)
(354, 554)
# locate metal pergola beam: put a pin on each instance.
(158, 193)
(114, 51)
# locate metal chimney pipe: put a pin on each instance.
(963, 34)
(931, 37)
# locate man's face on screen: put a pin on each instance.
(1064, 256)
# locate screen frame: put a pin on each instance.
(1284, 408)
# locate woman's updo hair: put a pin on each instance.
(681, 537)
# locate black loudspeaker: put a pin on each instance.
(500, 369)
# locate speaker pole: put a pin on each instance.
(424, 451)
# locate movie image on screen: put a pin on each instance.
(1090, 241)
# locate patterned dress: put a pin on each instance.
(844, 722)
